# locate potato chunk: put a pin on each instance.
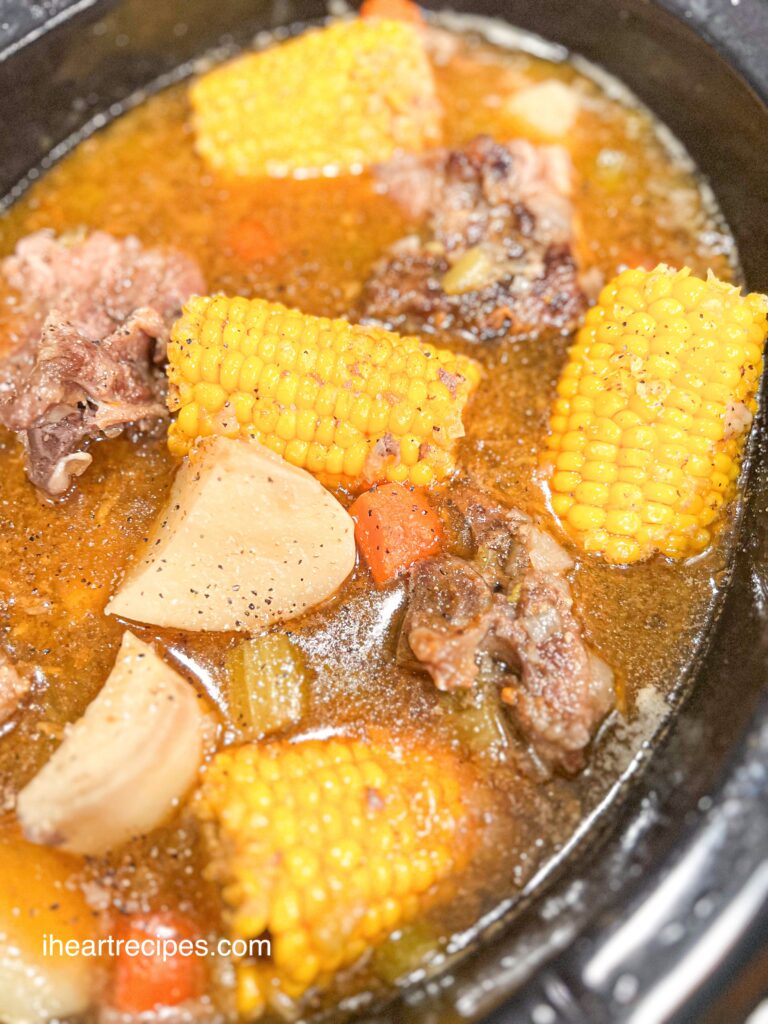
(548, 109)
(246, 540)
(123, 766)
(39, 979)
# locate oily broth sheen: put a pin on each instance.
(59, 562)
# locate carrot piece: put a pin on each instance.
(395, 526)
(161, 973)
(251, 242)
(392, 10)
(635, 258)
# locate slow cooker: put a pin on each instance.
(660, 912)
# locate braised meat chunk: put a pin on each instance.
(507, 613)
(495, 256)
(97, 313)
(447, 622)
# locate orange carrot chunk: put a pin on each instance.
(392, 10)
(395, 526)
(252, 242)
(157, 964)
(632, 257)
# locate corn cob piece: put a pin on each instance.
(336, 399)
(653, 409)
(335, 99)
(328, 846)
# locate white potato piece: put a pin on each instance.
(247, 539)
(548, 109)
(123, 767)
(37, 900)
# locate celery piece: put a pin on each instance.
(268, 685)
(478, 720)
(405, 951)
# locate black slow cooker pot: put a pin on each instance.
(661, 912)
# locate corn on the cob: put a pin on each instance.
(335, 99)
(652, 413)
(336, 399)
(328, 846)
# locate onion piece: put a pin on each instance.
(13, 687)
(474, 270)
(124, 766)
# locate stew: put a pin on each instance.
(372, 412)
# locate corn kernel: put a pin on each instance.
(592, 494)
(586, 517)
(210, 397)
(188, 419)
(561, 503)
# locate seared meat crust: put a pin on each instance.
(498, 216)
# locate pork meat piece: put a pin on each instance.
(97, 313)
(508, 611)
(495, 256)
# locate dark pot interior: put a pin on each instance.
(666, 900)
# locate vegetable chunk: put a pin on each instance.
(548, 110)
(653, 409)
(344, 401)
(268, 685)
(332, 100)
(102, 786)
(159, 978)
(39, 983)
(394, 10)
(395, 526)
(13, 687)
(246, 540)
(329, 846)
